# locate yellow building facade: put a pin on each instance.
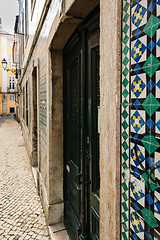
(7, 76)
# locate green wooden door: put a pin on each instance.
(81, 136)
(72, 138)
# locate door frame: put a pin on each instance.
(89, 26)
(92, 129)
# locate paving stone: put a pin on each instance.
(21, 213)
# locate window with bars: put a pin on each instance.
(11, 83)
(11, 98)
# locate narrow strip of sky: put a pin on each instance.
(8, 12)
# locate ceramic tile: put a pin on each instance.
(125, 192)
(157, 123)
(140, 119)
(125, 56)
(157, 207)
(138, 86)
(153, 199)
(157, 84)
(138, 50)
(125, 151)
(137, 159)
(158, 43)
(158, 8)
(141, 123)
(136, 224)
(125, 88)
(138, 14)
(124, 185)
(125, 120)
(126, 20)
(145, 49)
(151, 26)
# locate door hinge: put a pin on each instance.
(87, 140)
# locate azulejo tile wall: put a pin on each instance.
(140, 120)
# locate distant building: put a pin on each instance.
(7, 78)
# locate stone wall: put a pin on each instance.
(110, 78)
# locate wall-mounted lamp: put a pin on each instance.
(15, 71)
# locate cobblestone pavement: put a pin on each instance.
(21, 214)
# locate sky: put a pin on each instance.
(8, 12)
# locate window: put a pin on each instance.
(11, 83)
(27, 103)
(11, 98)
(12, 110)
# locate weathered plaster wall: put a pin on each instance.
(110, 78)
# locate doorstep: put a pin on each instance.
(58, 232)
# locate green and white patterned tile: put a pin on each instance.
(126, 20)
(125, 56)
(125, 188)
(125, 88)
(125, 121)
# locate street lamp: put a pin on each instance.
(4, 64)
(15, 71)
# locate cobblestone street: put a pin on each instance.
(21, 214)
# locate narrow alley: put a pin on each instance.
(21, 213)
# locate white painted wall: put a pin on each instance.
(4, 55)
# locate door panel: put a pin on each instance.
(73, 142)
